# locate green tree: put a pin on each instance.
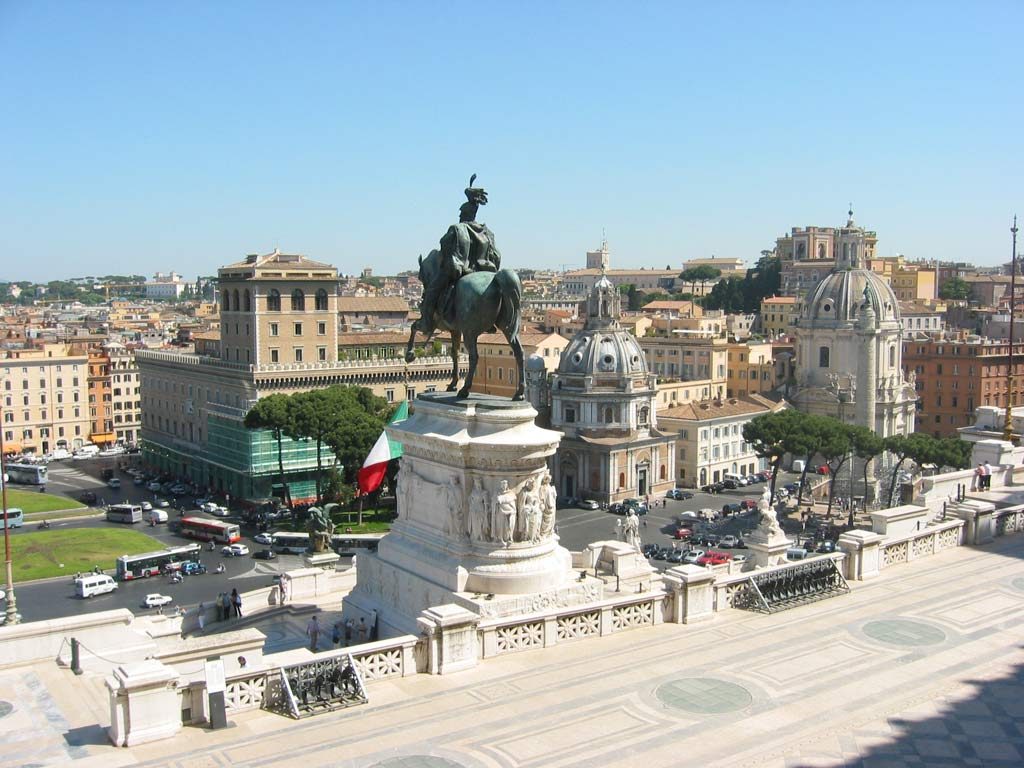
(728, 295)
(361, 418)
(272, 413)
(834, 448)
(956, 289)
(866, 446)
(773, 435)
(702, 274)
(922, 448)
(312, 417)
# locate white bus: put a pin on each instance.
(351, 544)
(154, 563)
(205, 529)
(15, 518)
(29, 474)
(124, 513)
(94, 584)
(290, 542)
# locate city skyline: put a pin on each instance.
(147, 141)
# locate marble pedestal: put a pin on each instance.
(327, 561)
(469, 469)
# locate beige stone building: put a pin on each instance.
(751, 369)
(689, 357)
(778, 314)
(709, 438)
(495, 373)
(125, 398)
(45, 399)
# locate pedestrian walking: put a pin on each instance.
(988, 476)
(236, 601)
(349, 626)
(201, 617)
(219, 604)
(225, 602)
(362, 630)
(313, 630)
(284, 590)
(336, 634)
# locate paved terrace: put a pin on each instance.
(920, 667)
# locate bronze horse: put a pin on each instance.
(481, 303)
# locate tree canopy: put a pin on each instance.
(955, 288)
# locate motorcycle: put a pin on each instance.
(43, 525)
(220, 568)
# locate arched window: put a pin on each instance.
(846, 251)
(821, 250)
(247, 299)
(823, 357)
(609, 416)
(298, 300)
(273, 300)
(662, 473)
(234, 300)
(622, 479)
(225, 300)
(892, 356)
(321, 299)
(645, 414)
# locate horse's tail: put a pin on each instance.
(510, 291)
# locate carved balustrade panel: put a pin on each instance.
(520, 637)
(579, 625)
(245, 693)
(632, 616)
(894, 553)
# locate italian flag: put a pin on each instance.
(371, 475)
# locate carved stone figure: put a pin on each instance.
(504, 525)
(530, 512)
(768, 523)
(631, 530)
(548, 502)
(455, 524)
(320, 527)
(479, 512)
(467, 293)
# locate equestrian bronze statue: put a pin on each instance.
(467, 293)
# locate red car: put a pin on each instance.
(714, 557)
(823, 469)
(682, 533)
(748, 504)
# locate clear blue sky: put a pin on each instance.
(140, 136)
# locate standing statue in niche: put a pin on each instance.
(530, 512)
(479, 512)
(504, 525)
(454, 524)
(631, 530)
(466, 292)
(548, 502)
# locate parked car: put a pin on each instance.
(220, 511)
(684, 495)
(662, 553)
(730, 484)
(748, 504)
(676, 556)
(138, 480)
(114, 483)
(689, 518)
(692, 556)
(796, 553)
(154, 486)
(713, 557)
(263, 538)
(823, 469)
(728, 542)
(161, 503)
(682, 533)
(208, 506)
(156, 600)
(87, 498)
(751, 479)
(235, 550)
(177, 489)
(649, 549)
(192, 568)
(264, 554)
(827, 547)
(588, 504)
(731, 509)
(792, 487)
(617, 509)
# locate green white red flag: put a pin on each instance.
(371, 475)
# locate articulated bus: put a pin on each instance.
(345, 544)
(154, 563)
(29, 474)
(204, 529)
(290, 543)
(124, 513)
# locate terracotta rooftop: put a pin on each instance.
(666, 304)
(372, 304)
(382, 337)
(706, 410)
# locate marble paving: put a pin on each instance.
(921, 667)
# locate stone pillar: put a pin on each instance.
(862, 549)
(979, 522)
(452, 643)
(144, 703)
(692, 593)
(325, 561)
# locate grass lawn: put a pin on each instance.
(33, 501)
(40, 555)
(36, 517)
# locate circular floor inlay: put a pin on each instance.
(903, 632)
(1019, 583)
(417, 761)
(703, 694)
(6, 708)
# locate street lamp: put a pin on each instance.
(12, 604)
(1008, 422)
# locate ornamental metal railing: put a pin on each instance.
(791, 586)
(314, 687)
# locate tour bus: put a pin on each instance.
(94, 584)
(29, 474)
(124, 513)
(291, 542)
(204, 529)
(154, 563)
(15, 518)
(351, 544)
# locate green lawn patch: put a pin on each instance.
(40, 555)
(60, 514)
(33, 501)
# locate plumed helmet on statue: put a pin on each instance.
(475, 197)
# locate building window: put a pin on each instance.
(570, 415)
(622, 479)
(234, 300)
(389, 395)
(823, 357)
(321, 354)
(273, 356)
(298, 300)
(645, 415)
(410, 393)
(247, 300)
(225, 300)
(321, 300)
(298, 354)
(321, 329)
(274, 329)
(298, 329)
(274, 300)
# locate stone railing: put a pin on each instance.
(937, 537)
(397, 363)
(548, 628)
(1008, 520)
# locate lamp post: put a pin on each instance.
(12, 604)
(1008, 422)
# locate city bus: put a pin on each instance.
(28, 474)
(154, 563)
(204, 529)
(124, 513)
(15, 518)
(351, 544)
(290, 542)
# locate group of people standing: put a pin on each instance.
(983, 477)
(341, 631)
(227, 605)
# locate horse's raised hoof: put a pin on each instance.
(518, 396)
(463, 393)
(452, 387)
(410, 356)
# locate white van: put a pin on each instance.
(740, 480)
(157, 516)
(87, 451)
(94, 584)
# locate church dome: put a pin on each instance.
(840, 296)
(535, 363)
(603, 352)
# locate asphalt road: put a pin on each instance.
(54, 598)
